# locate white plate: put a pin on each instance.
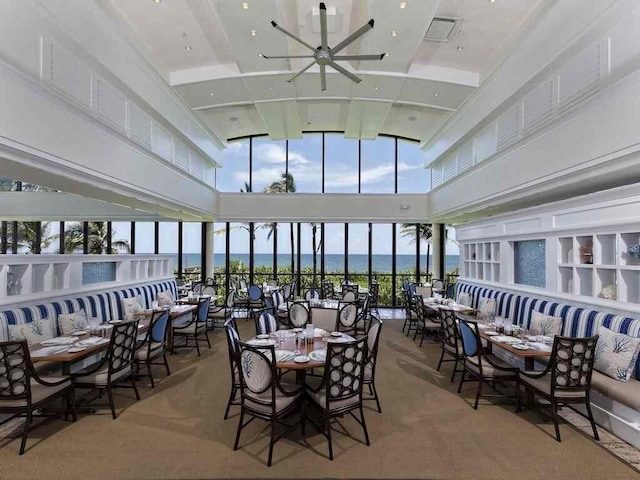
(336, 334)
(115, 321)
(261, 341)
(263, 335)
(76, 349)
(79, 333)
(520, 346)
(491, 333)
(318, 355)
(301, 359)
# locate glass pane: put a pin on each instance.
(192, 249)
(359, 253)
(239, 251)
(310, 239)
(145, 237)
(263, 252)
(219, 256)
(50, 237)
(287, 238)
(334, 252)
(305, 163)
(121, 237)
(378, 165)
(382, 258)
(413, 177)
(341, 164)
(269, 162)
(73, 237)
(169, 243)
(235, 172)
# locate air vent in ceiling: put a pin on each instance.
(440, 29)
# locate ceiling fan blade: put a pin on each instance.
(301, 71)
(358, 57)
(323, 25)
(323, 77)
(345, 72)
(353, 37)
(299, 40)
(270, 57)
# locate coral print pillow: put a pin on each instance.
(132, 307)
(34, 332)
(616, 354)
(486, 308)
(165, 299)
(546, 324)
(73, 322)
(464, 299)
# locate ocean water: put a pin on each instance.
(332, 262)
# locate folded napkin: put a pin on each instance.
(318, 332)
(319, 355)
(60, 341)
(540, 346)
(284, 355)
(92, 341)
(506, 339)
(43, 352)
(342, 339)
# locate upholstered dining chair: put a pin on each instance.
(287, 291)
(265, 322)
(312, 294)
(349, 292)
(262, 395)
(154, 345)
(373, 339)
(439, 285)
(23, 391)
(231, 332)
(481, 367)
(196, 328)
(278, 299)
(256, 298)
(567, 378)
(340, 391)
(451, 343)
(346, 317)
(410, 313)
(374, 295)
(219, 314)
(327, 290)
(116, 368)
(425, 323)
(364, 317)
(298, 314)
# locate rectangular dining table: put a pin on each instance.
(528, 356)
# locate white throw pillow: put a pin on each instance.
(464, 299)
(486, 308)
(72, 322)
(616, 354)
(165, 299)
(132, 307)
(34, 332)
(546, 325)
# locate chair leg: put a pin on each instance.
(271, 441)
(153, 385)
(232, 396)
(441, 358)
(72, 404)
(235, 445)
(135, 387)
(364, 425)
(197, 344)
(592, 420)
(166, 364)
(518, 405)
(375, 395)
(111, 404)
(554, 414)
(207, 337)
(455, 369)
(478, 393)
(327, 420)
(464, 372)
(424, 333)
(25, 431)
(415, 334)
(303, 419)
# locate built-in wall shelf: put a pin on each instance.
(481, 261)
(27, 276)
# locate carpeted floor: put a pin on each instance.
(425, 431)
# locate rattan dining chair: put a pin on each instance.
(262, 395)
(373, 339)
(451, 343)
(410, 313)
(154, 345)
(346, 317)
(116, 367)
(340, 391)
(481, 367)
(312, 294)
(567, 378)
(374, 295)
(231, 333)
(298, 314)
(425, 321)
(265, 321)
(196, 328)
(219, 314)
(24, 392)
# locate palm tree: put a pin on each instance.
(27, 236)
(97, 241)
(423, 232)
(286, 184)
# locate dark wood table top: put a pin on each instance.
(532, 352)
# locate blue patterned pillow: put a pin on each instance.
(33, 332)
(616, 354)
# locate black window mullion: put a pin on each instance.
(370, 256)
(156, 238)
(299, 259)
(85, 238)
(109, 238)
(322, 249)
(286, 167)
(359, 166)
(61, 248)
(38, 232)
(204, 251)
(346, 251)
(180, 266)
(395, 188)
(323, 168)
(393, 264)
(227, 256)
(275, 251)
(417, 253)
(251, 252)
(132, 246)
(251, 164)
(3, 237)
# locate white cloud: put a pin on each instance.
(343, 177)
(275, 153)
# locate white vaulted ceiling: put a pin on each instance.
(207, 50)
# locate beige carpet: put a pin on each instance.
(426, 430)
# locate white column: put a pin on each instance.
(208, 250)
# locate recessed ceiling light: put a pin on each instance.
(245, 5)
(376, 88)
(459, 48)
(270, 88)
(211, 94)
(253, 33)
(403, 5)
(157, 1)
(260, 55)
(187, 47)
(386, 54)
(436, 94)
(394, 33)
(492, 1)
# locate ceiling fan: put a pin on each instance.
(325, 56)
